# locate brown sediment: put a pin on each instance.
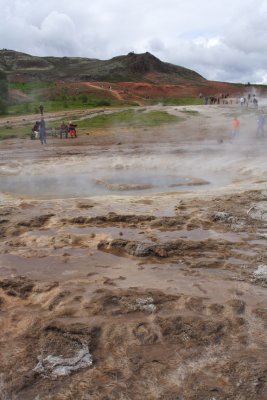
(125, 186)
(191, 182)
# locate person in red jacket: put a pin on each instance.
(72, 130)
(235, 127)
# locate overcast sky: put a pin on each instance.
(222, 40)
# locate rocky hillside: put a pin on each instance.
(130, 68)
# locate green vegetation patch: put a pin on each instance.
(56, 105)
(12, 132)
(55, 98)
(29, 87)
(129, 118)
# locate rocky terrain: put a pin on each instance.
(153, 288)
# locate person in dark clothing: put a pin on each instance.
(64, 130)
(42, 131)
(35, 131)
(260, 125)
(41, 108)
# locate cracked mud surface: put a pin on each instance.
(155, 296)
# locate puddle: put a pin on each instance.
(247, 253)
(235, 261)
(200, 234)
(42, 232)
(258, 242)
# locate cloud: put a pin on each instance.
(223, 40)
(57, 33)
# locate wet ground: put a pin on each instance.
(133, 264)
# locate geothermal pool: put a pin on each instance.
(83, 185)
(97, 183)
(133, 171)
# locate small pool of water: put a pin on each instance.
(200, 234)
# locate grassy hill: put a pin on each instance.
(129, 68)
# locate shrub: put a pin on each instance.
(84, 98)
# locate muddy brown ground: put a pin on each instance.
(140, 295)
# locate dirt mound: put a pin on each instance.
(168, 249)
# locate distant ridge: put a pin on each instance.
(125, 68)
